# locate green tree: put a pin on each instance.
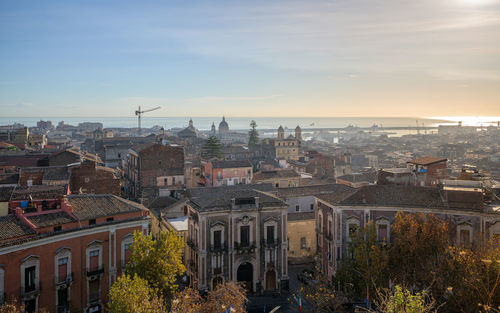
(366, 270)
(212, 148)
(253, 134)
(158, 261)
(402, 300)
(133, 295)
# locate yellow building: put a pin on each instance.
(301, 237)
(287, 148)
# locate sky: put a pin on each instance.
(250, 58)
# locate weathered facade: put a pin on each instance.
(237, 233)
(64, 254)
(155, 170)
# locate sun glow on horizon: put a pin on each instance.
(471, 120)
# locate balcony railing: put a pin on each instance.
(62, 308)
(95, 272)
(31, 291)
(219, 248)
(65, 281)
(244, 247)
(270, 243)
(191, 243)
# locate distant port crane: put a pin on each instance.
(139, 113)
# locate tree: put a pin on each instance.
(366, 271)
(14, 307)
(131, 294)
(401, 300)
(159, 261)
(225, 296)
(319, 294)
(253, 134)
(418, 251)
(473, 279)
(212, 148)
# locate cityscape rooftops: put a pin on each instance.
(231, 164)
(427, 161)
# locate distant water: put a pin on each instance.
(236, 123)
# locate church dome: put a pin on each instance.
(223, 126)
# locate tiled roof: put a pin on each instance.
(213, 198)
(264, 175)
(92, 206)
(162, 202)
(231, 163)
(369, 177)
(6, 193)
(50, 219)
(397, 195)
(12, 227)
(56, 173)
(39, 192)
(83, 154)
(313, 190)
(426, 161)
(9, 179)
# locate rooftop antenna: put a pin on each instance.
(139, 113)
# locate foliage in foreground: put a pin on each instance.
(132, 294)
(226, 296)
(401, 300)
(157, 261)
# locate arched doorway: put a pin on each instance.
(216, 281)
(245, 275)
(271, 280)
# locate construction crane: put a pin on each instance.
(139, 113)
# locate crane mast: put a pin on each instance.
(139, 113)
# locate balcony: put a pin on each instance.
(218, 248)
(191, 243)
(62, 308)
(31, 291)
(67, 281)
(95, 272)
(248, 247)
(270, 243)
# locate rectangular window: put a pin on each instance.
(110, 219)
(297, 208)
(303, 243)
(126, 247)
(312, 206)
(94, 260)
(353, 229)
(173, 180)
(92, 222)
(62, 300)
(464, 237)
(29, 278)
(270, 234)
(217, 239)
(62, 268)
(94, 290)
(245, 236)
(57, 228)
(382, 232)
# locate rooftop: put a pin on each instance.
(369, 177)
(92, 206)
(221, 198)
(427, 161)
(231, 164)
(264, 175)
(39, 192)
(179, 224)
(12, 227)
(313, 190)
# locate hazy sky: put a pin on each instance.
(250, 58)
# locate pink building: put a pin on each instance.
(228, 172)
